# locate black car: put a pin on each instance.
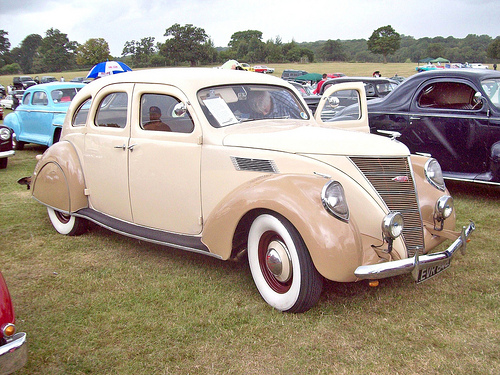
(375, 87)
(452, 114)
(23, 82)
(5, 145)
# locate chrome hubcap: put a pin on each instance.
(278, 261)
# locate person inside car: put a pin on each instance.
(155, 122)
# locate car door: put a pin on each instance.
(106, 152)
(344, 106)
(164, 158)
(447, 121)
(37, 119)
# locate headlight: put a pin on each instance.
(334, 201)
(4, 134)
(392, 225)
(434, 174)
(444, 207)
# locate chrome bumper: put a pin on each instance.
(421, 267)
(6, 154)
(14, 354)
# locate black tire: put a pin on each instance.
(17, 145)
(66, 224)
(3, 163)
(281, 266)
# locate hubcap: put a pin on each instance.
(278, 261)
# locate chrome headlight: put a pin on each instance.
(392, 225)
(434, 174)
(444, 207)
(4, 134)
(334, 201)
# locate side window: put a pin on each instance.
(26, 99)
(112, 111)
(161, 112)
(81, 114)
(448, 95)
(338, 101)
(40, 98)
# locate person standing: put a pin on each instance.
(320, 83)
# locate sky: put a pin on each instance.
(119, 21)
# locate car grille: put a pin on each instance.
(393, 180)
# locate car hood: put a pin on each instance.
(314, 139)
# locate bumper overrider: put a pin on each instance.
(13, 354)
(421, 267)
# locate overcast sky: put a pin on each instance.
(119, 21)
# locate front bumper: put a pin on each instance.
(421, 267)
(14, 354)
(6, 154)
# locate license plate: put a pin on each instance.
(426, 272)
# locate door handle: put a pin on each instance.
(123, 147)
(414, 118)
(131, 147)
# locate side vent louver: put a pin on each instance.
(254, 165)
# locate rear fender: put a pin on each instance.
(335, 246)
(58, 179)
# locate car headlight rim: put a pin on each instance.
(444, 207)
(334, 201)
(434, 174)
(4, 134)
(392, 225)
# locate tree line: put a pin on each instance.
(190, 45)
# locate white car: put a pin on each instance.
(7, 102)
(223, 163)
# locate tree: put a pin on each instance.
(332, 50)
(244, 36)
(4, 47)
(494, 49)
(56, 52)
(186, 43)
(26, 53)
(92, 52)
(384, 41)
(141, 51)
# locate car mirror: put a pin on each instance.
(180, 109)
(333, 101)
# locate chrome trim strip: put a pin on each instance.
(420, 114)
(6, 154)
(415, 264)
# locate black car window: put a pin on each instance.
(81, 114)
(112, 111)
(448, 95)
(164, 113)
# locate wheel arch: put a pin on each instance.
(334, 246)
(58, 179)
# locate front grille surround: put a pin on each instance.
(392, 179)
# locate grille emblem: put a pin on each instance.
(401, 179)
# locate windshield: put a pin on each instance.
(229, 105)
(492, 87)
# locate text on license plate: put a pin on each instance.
(426, 272)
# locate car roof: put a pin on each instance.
(54, 85)
(470, 73)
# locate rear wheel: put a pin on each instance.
(281, 266)
(67, 224)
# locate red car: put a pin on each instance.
(1, 113)
(13, 347)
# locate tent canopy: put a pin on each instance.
(313, 77)
(440, 60)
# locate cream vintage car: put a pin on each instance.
(224, 162)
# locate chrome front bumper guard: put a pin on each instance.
(13, 354)
(421, 267)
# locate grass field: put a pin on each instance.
(102, 303)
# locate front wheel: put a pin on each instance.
(66, 224)
(281, 266)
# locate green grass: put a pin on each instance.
(102, 303)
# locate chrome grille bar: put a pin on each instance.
(393, 180)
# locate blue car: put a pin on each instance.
(39, 117)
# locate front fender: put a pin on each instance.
(335, 246)
(58, 179)
(12, 121)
